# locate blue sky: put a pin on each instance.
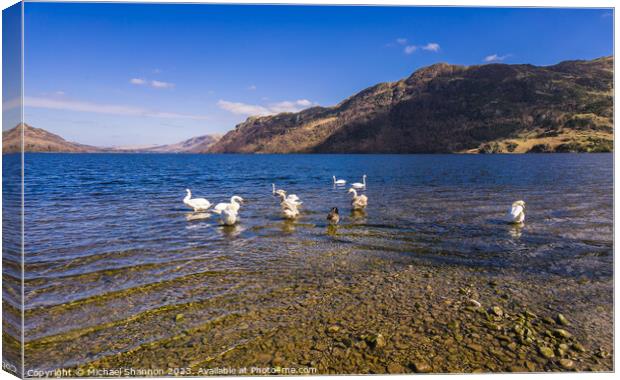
(140, 74)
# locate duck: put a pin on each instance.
(333, 217)
(517, 212)
(358, 202)
(362, 185)
(339, 182)
(198, 204)
(235, 204)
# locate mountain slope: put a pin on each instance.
(39, 140)
(448, 108)
(197, 144)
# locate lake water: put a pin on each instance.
(108, 237)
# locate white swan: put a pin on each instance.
(228, 215)
(290, 213)
(339, 182)
(273, 189)
(358, 202)
(362, 185)
(234, 204)
(289, 198)
(198, 204)
(289, 206)
(517, 212)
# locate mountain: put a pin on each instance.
(490, 108)
(39, 140)
(198, 144)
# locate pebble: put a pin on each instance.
(567, 363)
(497, 311)
(546, 352)
(562, 320)
(421, 367)
(474, 303)
(376, 341)
(179, 317)
(562, 333)
(476, 347)
(395, 368)
(549, 321)
(578, 347)
(333, 329)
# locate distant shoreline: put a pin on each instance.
(318, 154)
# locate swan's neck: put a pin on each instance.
(364, 180)
(187, 197)
(334, 177)
(273, 188)
(354, 192)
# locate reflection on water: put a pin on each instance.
(197, 216)
(108, 236)
(516, 230)
(358, 216)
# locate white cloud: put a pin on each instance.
(59, 93)
(431, 46)
(288, 106)
(137, 81)
(304, 103)
(410, 49)
(152, 83)
(160, 84)
(495, 58)
(259, 110)
(242, 108)
(252, 88)
(110, 109)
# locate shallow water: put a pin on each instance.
(108, 237)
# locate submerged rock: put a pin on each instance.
(376, 341)
(562, 320)
(497, 311)
(562, 333)
(421, 366)
(546, 352)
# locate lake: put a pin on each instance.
(120, 272)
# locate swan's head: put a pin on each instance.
(519, 203)
(351, 190)
(281, 192)
(333, 211)
(334, 177)
(188, 192)
(237, 199)
(364, 176)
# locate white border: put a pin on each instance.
(462, 3)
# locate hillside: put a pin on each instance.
(490, 108)
(197, 144)
(39, 140)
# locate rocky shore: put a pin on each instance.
(394, 316)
